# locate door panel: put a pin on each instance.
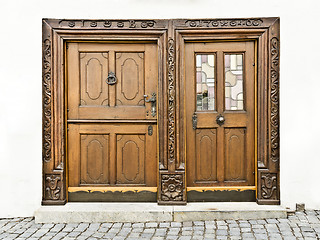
(93, 72)
(130, 72)
(94, 158)
(130, 159)
(220, 114)
(235, 154)
(206, 152)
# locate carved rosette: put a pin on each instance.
(269, 185)
(171, 102)
(172, 187)
(274, 114)
(46, 88)
(53, 186)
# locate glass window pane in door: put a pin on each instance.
(205, 81)
(233, 81)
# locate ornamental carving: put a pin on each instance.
(107, 23)
(268, 185)
(225, 23)
(46, 88)
(171, 102)
(172, 187)
(274, 114)
(53, 187)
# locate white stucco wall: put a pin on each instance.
(21, 98)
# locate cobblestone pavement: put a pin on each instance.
(301, 225)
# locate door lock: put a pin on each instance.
(153, 101)
(194, 121)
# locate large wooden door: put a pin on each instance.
(220, 114)
(112, 119)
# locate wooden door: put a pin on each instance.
(112, 124)
(220, 114)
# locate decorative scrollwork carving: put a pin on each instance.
(216, 23)
(172, 187)
(274, 94)
(46, 88)
(171, 102)
(108, 23)
(268, 185)
(53, 187)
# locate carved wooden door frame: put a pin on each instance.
(170, 36)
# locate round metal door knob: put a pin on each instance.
(220, 120)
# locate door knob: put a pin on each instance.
(220, 120)
(153, 101)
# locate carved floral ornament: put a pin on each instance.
(268, 185)
(53, 189)
(172, 187)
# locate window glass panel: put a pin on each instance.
(233, 81)
(205, 77)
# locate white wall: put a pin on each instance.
(20, 88)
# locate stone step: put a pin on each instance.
(151, 212)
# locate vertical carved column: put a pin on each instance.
(172, 182)
(268, 178)
(52, 179)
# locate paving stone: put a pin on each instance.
(187, 224)
(172, 237)
(222, 232)
(81, 227)
(151, 224)
(186, 233)
(164, 224)
(198, 223)
(175, 224)
(119, 225)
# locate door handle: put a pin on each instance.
(153, 101)
(111, 79)
(220, 120)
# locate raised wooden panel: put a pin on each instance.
(94, 159)
(130, 74)
(93, 73)
(235, 154)
(206, 152)
(130, 159)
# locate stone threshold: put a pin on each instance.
(152, 212)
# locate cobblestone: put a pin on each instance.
(301, 225)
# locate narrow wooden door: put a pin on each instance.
(112, 120)
(220, 114)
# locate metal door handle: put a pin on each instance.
(111, 79)
(220, 119)
(153, 101)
